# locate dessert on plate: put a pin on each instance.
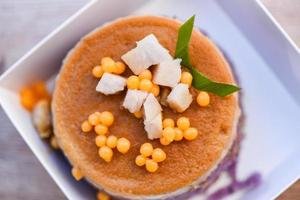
(143, 44)
(144, 107)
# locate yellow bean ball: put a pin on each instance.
(151, 165)
(28, 98)
(155, 90)
(140, 160)
(178, 134)
(94, 119)
(111, 141)
(119, 68)
(190, 134)
(86, 126)
(168, 122)
(123, 145)
(158, 155)
(107, 118)
(146, 149)
(53, 142)
(133, 82)
(169, 134)
(164, 141)
(183, 123)
(40, 90)
(98, 114)
(146, 74)
(203, 99)
(146, 85)
(105, 153)
(108, 64)
(186, 78)
(138, 114)
(76, 173)
(102, 196)
(97, 71)
(100, 140)
(100, 129)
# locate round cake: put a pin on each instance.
(188, 163)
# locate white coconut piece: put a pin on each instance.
(148, 52)
(154, 50)
(134, 100)
(137, 60)
(154, 127)
(167, 73)
(111, 84)
(180, 98)
(41, 118)
(151, 108)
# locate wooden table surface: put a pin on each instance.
(25, 22)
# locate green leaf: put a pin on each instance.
(183, 40)
(200, 81)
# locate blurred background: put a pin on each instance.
(23, 23)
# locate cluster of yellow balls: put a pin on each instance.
(171, 133)
(101, 122)
(108, 65)
(143, 82)
(157, 155)
(106, 144)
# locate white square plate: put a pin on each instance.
(266, 62)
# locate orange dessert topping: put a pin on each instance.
(110, 66)
(183, 130)
(102, 196)
(106, 153)
(76, 173)
(101, 122)
(186, 78)
(133, 82)
(146, 74)
(168, 122)
(100, 140)
(151, 164)
(146, 85)
(111, 141)
(30, 95)
(203, 99)
(123, 145)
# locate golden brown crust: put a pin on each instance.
(75, 98)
